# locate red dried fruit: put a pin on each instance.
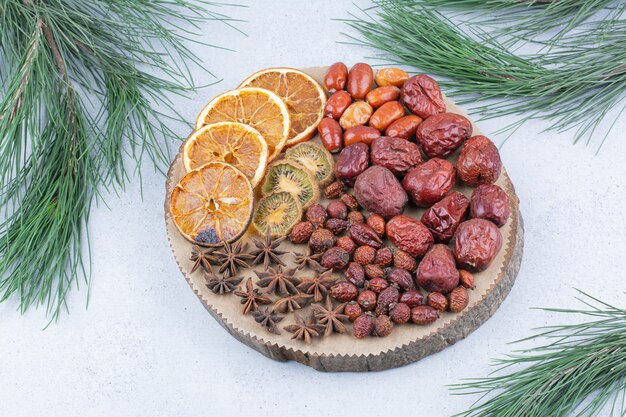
(373, 271)
(400, 313)
(346, 243)
(444, 217)
(335, 258)
(357, 114)
(422, 96)
(490, 202)
(367, 300)
(412, 298)
(360, 79)
(344, 291)
(479, 162)
(364, 255)
(476, 244)
(384, 257)
(396, 154)
(391, 76)
(363, 326)
(429, 182)
(377, 223)
(402, 278)
(383, 326)
(437, 271)
(466, 279)
(381, 95)
(386, 114)
(352, 161)
(362, 234)
(423, 315)
(355, 217)
(333, 190)
(321, 240)
(409, 235)
(337, 104)
(350, 201)
(387, 297)
(459, 299)
(337, 210)
(403, 260)
(404, 128)
(301, 233)
(336, 77)
(356, 134)
(440, 135)
(317, 215)
(355, 274)
(352, 310)
(438, 301)
(330, 134)
(337, 226)
(377, 284)
(379, 191)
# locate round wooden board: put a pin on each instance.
(342, 352)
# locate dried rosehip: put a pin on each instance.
(373, 271)
(379, 191)
(387, 297)
(333, 190)
(316, 214)
(377, 223)
(352, 310)
(397, 155)
(391, 76)
(364, 254)
(335, 258)
(412, 298)
(301, 232)
(337, 210)
(352, 161)
(330, 134)
(402, 259)
(404, 128)
(384, 257)
(344, 291)
(321, 240)
(357, 114)
(355, 217)
(443, 217)
(356, 134)
(429, 182)
(363, 326)
(438, 301)
(355, 274)
(386, 115)
(383, 326)
(423, 315)
(422, 96)
(337, 226)
(437, 271)
(336, 77)
(346, 243)
(402, 278)
(440, 135)
(350, 201)
(479, 162)
(381, 95)
(476, 244)
(360, 79)
(337, 104)
(400, 313)
(459, 299)
(409, 235)
(490, 202)
(367, 300)
(377, 284)
(466, 279)
(362, 234)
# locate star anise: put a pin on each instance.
(309, 260)
(291, 303)
(304, 330)
(221, 284)
(318, 286)
(251, 298)
(278, 281)
(268, 319)
(232, 257)
(267, 251)
(203, 258)
(331, 317)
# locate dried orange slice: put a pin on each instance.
(256, 107)
(212, 204)
(304, 97)
(234, 143)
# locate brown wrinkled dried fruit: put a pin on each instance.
(438, 301)
(423, 315)
(336, 77)
(377, 223)
(412, 298)
(363, 326)
(459, 299)
(367, 300)
(333, 190)
(429, 182)
(355, 217)
(440, 135)
(362, 234)
(352, 161)
(335, 258)
(391, 76)
(402, 278)
(331, 134)
(356, 134)
(490, 202)
(383, 326)
(409, 235)
(386, 115)
(321, 240)
(476, 244)
(466, 279)
(479, 162)
(301, 233)
(346, 243)
(357, 114)
(344, 291)
(360, 79)
(381, 95)
(397, 155)
(379, 191)
(443, 217)
(350, 201)
(400, 313)
(337, 210)
(404, 128)
(377, 284)
(384, 257)
(316, 214)
(387, 297)
(355, 274)
(337, 226)
(422, 96)
(373, 271)
(337, 104)
(404, 260)
(364, 254)
(437, 271)
(352, 310)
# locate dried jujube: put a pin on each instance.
(479, 162)
(476, 244)
(336, 77)
(379, 191)
(352, 161)
(404, 128)
(437, 271)
(409, 235)
(337, 104)
(443, 217)
(440, 135)
(396, 154)
(360, 80)
(490, 202)
(422, 95)
(356, 134)
(429, 182)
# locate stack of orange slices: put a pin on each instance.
(237, 134)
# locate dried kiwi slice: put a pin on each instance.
(290, 176)
(279, 212)
(314, 158)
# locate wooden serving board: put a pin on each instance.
(342, 352)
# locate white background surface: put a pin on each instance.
(147, 347)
